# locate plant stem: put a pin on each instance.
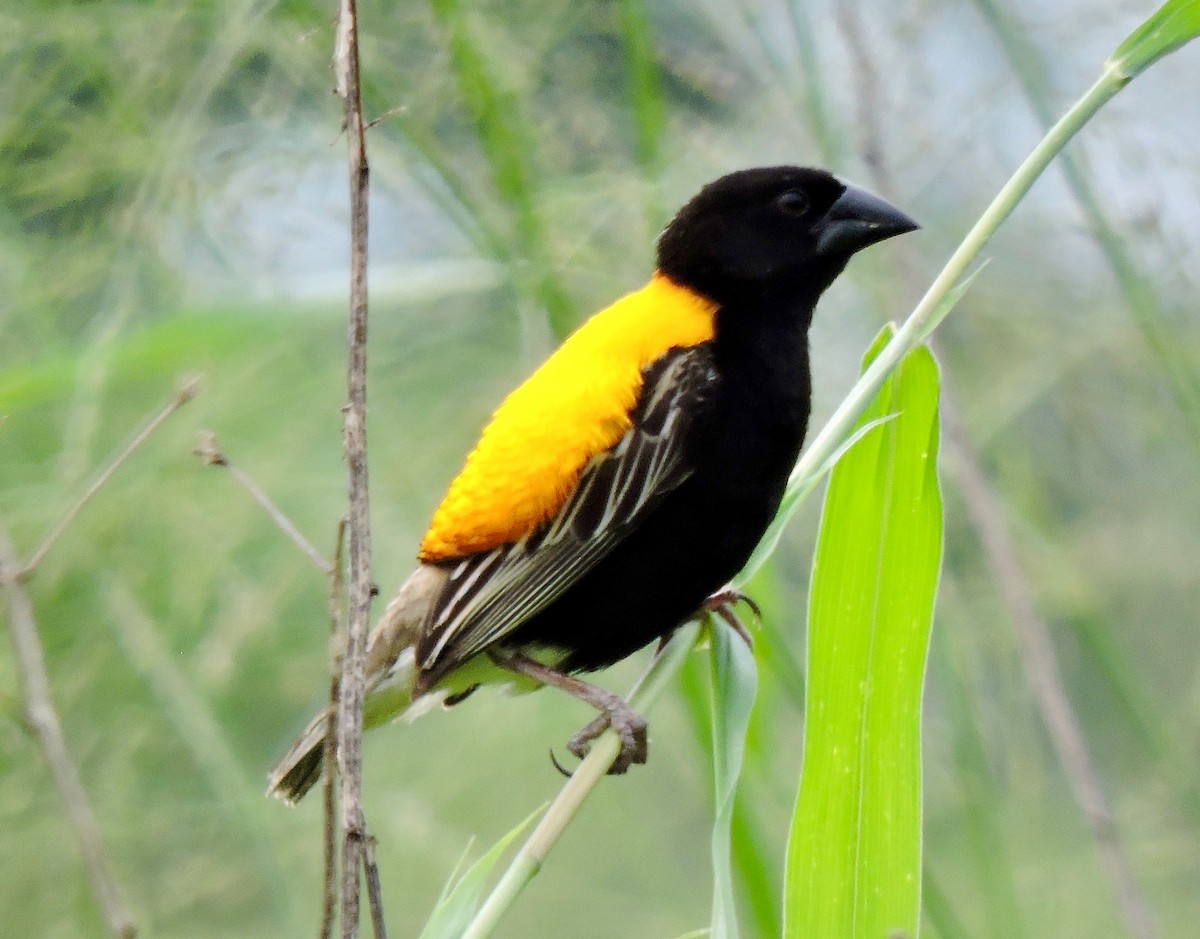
(209, 450)
(40, 714)
(352, 692)
(562, 810)
(187, 390)
(931, 308)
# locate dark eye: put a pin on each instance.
(792, 203)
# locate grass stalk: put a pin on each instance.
(562, 810)
(942, 294)
(1141, 297)
(505, 137)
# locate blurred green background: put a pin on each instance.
(173, 200)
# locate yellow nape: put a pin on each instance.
(575, 406)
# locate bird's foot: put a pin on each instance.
(614, 713)
(724, 602)
(630, 727)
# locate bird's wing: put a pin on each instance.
(488, 595)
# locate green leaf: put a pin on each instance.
(460, 898)
(1175, 24)
(854, 851)
(734, 684)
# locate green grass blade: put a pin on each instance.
(1176, 365)
(461, 896)
(505, 137)
(647, 105)
(988, 856)
(854, 851)
(756, 862)
(734, 684)
(1175, 24)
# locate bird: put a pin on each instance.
(630, 476)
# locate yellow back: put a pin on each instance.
(575, 406)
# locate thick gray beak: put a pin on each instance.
(857, 220)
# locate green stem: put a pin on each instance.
(930, 310)
(1141, 298)
(529, 859)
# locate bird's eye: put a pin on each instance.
(792, 203)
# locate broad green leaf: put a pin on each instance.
(734, 683)
(854, 851)
(1175, 24)
(461, 895)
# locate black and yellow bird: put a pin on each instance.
(633, 473)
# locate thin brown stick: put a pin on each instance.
(337, 629)
(353, 679)
(1045, 680)
(987, 516)
(209, 450)
(43, 720)
(187, 390)
(374, 893)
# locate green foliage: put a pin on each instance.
(1174, 25)
(854, 853)
(734, 681)
(171, 182)
(461, 896)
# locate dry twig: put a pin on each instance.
(187, 390)
(1045, 680)
(209, 450)
(353, 678)
(374, 894)
(38, 703)
(43, 720)
(337, 629)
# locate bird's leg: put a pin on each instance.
(614, 713)
(722, 603)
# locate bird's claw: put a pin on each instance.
(566, 773)
(722, 603)
(630, 727)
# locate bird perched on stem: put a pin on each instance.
(632, 474)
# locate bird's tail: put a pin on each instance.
(391, 673)
(389, 699)
(301, 766)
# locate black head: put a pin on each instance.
(773, 230)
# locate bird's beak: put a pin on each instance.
(857, 220)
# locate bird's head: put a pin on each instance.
(773, 230)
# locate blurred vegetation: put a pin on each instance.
(172, 199)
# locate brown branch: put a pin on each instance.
(43, 720)
(1000, 550)
(353, 677)
(187, 390)
(209, 450)
(1045, 680)
(374, 894)
(337, 629)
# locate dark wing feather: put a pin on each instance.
(489, 594)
